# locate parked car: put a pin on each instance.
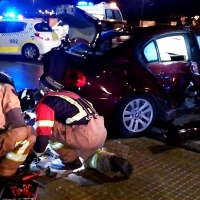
(135, 76)
(26, 37)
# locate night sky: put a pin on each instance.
(159, 10)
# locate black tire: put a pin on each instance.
(136, 115)
(30, 52)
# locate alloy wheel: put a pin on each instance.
(138, 115)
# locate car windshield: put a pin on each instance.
(80, 48)
(43, 27)
(108, 40)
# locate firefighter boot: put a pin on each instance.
(104, 161)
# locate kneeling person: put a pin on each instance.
(16, 138)
(74, 130)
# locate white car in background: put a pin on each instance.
(27, 37)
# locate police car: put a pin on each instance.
(27, 37)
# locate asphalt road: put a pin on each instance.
(24, 73)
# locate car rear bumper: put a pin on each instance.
(48, 45)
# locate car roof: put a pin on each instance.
(142, 34)
(21, 20)
(146, 32)
(159, 29)
(153, 29)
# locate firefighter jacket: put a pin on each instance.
(15, 145)
(11, 115)
(65, 107)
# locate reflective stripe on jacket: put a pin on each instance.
(10, 111)
(15, 145)
(60, 106)
(65, 107)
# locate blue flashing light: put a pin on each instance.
(84, 3)
(20, 17)
(11, 15)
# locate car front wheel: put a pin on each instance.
(136, 115)
(30, 52)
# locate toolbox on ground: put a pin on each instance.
(19, 190)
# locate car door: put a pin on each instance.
(13, 37)
(196, 38)
(168, 59)
(107, 82)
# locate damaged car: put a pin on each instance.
(136, 77)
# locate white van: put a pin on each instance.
(103, 10)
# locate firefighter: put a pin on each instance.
(73, 129)
(16, 138)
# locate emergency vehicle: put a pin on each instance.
(102, 10)
(26, 37)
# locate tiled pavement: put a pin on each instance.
(160, 172)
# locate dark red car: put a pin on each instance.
(133, 76)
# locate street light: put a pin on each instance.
(34, 7)
(142, 13)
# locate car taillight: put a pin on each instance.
(42, 36)
(75, 77)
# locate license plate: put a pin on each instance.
(55, 36)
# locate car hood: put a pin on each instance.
(83, 27)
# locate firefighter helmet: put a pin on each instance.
(5, 78)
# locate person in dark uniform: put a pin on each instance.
(73, 129)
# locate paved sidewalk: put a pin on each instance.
(192, 145)
(160, 172)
